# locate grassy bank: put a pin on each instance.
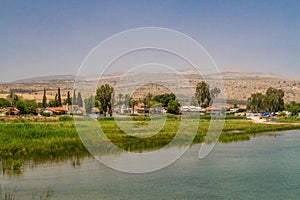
(22, 140)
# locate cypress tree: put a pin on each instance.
(74, 98)
(44, 99)
(56, 101)
(79, 100)
(69, 100)
(58, 98)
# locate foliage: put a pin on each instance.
(4, 103)
(74, 98)
(132, 103)
(79, 100)
(89, 103)
(45, 114)
(29, 140)
(272, 101)
(68, 100)
(256, 102)
(202, 94)
(164, 99)
(126, 99)
(104, 95)
(173, 107)
(293, 107)
(65, 118)
(52, 103)
(44, 103)
(214, 93)
(58, 103)
(13, 99)
(27, 106)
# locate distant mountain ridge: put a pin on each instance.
(223, 73)
(45, 78)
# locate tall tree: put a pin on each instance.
(44, 103)
(74, 98)
(58, 97)
(68, 99)
(13, 99)
(126, 99)
(104, 95)
(214, 93)
(202, 94)
(132, 103)
(274, 99)
(56, 100)
(293, 107)
(89, 103)
(79, 100)
(256, 102)
(120, 98)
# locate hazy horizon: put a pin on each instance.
(42, 38)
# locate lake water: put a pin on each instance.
(265, 167)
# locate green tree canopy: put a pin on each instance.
(293, 107)
(27, 106)
(4, 103)
(164, 99)
(68, 100)
(104, 95)
(173, 107)
(272, 101)
(13, 98)
(89, 103)
(202, 94)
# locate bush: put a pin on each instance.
(45, 114)
(65, 118)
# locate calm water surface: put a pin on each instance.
(266, 167)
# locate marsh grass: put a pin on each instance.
(40, 141)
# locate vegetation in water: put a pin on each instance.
(37, 140)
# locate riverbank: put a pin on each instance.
(44, 140)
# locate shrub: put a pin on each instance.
(65, 118)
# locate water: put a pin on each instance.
(266, 167)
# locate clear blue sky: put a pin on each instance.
(40, 38)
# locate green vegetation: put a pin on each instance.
(23, 140)
(173, 107)
(272, 101)
(202, 94)
(104, 95)
(27, 107)
(41, 140)
(293, 107)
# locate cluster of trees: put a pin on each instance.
(30, 106)
(57, 102)
(293, 107)
(104, 100)
(272, 101)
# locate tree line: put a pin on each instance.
(104, 99)
(30, 106)
(272, 101)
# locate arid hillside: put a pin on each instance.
(237, 85)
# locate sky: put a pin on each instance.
(40, 38)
